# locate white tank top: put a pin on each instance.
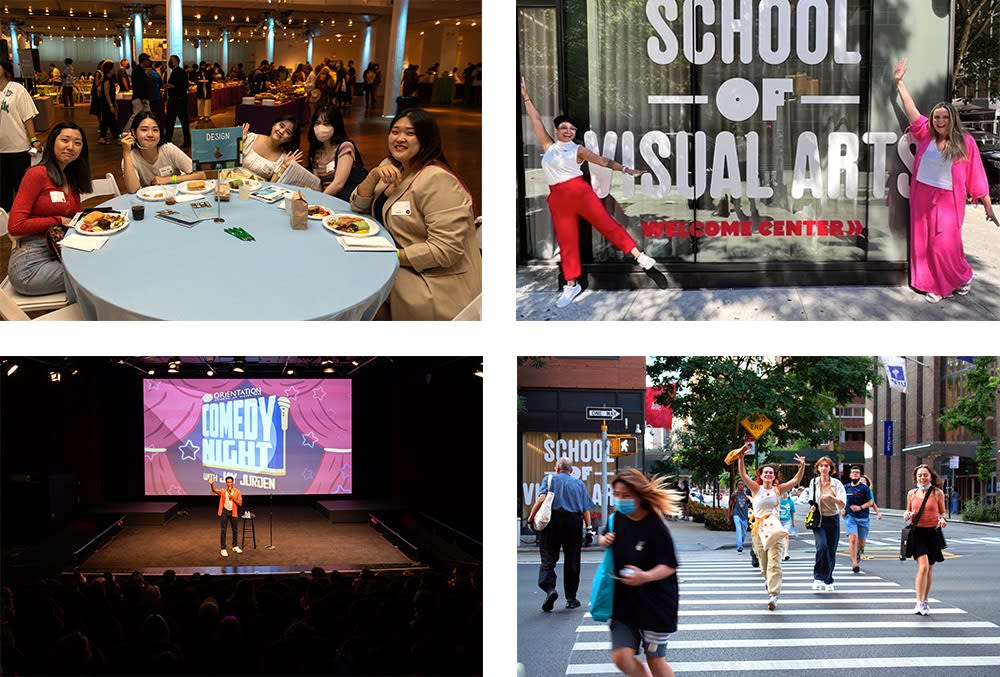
(560, 163)
(764, 502)
(934, 170)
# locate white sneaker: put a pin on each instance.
(817, 584)
(224, 553)
(829, 587)
(967, 287)
(772, 602)
(569, 292)
(645, 261)
(932, 298)
(924, 609)
(237, 549)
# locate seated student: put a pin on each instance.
(148, 159)
(49, 195)
(269, 156)
(334, 158)
(429, 213)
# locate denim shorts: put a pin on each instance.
(857, 526)
(654, 644)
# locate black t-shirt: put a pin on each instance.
(644, 544)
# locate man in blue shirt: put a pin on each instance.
(565, 530)
(856, 522)
(739, 504)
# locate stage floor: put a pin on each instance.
(303, 538)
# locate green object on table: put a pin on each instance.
(240, 234)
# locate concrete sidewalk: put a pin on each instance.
(538, 289)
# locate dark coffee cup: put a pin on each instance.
(138, 212)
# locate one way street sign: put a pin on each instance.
(602, 413)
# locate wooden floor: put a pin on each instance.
(461, 132)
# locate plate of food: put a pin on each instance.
(100, 222)
(319, 212)
(351, 225)
(235, 184)
(152, 193)
(193, 187)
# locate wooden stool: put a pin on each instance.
(253, 531)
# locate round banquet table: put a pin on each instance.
(160, 270)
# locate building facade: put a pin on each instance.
(933, 384)
(771, 133)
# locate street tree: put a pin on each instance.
(972, 409)
(977, 45)
(714, 394)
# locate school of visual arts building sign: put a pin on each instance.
(769, 130)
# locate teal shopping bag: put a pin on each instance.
(602, 592)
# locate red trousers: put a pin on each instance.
(571, 200)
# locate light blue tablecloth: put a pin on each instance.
(158, 270)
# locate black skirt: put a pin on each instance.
(925, 542)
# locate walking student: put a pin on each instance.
(926, 546)
(856, 516)
(765, 492)
(786, 513)
(828, 493)
(570, 512)
(644, 612)
(739, 505)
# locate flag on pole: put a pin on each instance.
(895, 369)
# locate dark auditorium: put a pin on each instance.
(241, 515)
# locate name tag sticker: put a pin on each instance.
(57, 196)
(167, 171)
(401, 208)
(331, 165)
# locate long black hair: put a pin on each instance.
(330, 115)
(292, 144)
(76, 174)
(428, 134)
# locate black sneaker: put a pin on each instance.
(572, 604)
(856, 569)
(550, 601)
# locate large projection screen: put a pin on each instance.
(272, 435)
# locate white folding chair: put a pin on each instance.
(26, 303)
(105, 186)
(9, 310)
(473, 311)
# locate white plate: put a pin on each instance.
(77, 225)
(183, 187)
(253, 183)
(373, 227)
(152, 193)
(329, 212)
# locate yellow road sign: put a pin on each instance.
(756, 425)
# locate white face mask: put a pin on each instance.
(323, 132)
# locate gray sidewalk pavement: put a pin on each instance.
(538, 289)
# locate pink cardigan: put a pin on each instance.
(968, 176)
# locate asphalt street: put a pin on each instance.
(865, 626)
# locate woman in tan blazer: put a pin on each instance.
(429, 213)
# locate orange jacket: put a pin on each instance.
(237, 500)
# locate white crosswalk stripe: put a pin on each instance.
(869, 620)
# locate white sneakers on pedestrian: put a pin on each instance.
(829, 587)
(817, 584)
(569, 292)
(930, 297)
(967, 287)
(224, 553)
(237, 549)
(772, 602)
(645, 261)
(921, 608)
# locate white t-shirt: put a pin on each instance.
(16, 108)
(228, 505)
(560, 163)
(934, 170)
(765, 501)
(170, 161)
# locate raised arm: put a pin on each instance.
(544, 140)
(589, 156)
(792, 483)
(904, 94)
(741, 466)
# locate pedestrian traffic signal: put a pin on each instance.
(623, 445)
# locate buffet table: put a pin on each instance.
(261, 118)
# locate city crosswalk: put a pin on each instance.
(866, 624)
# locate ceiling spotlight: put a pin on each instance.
(354, 362)
(478, 372)
(55, 376)
(210, 372)
(174, 365)
(151, 372)
(239, 365)
(329, 370)
(290, 371)
(12, 368)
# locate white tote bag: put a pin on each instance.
(770, 530)
(544, 513)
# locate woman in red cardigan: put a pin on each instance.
(49, 195)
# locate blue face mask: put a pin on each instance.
(625, 506)
(923, 487)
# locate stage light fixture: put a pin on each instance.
(290, 371)
(55, 376)
(12, 368)
(239, 365)
(174, 365)
(209, 372)
(354, 362)
(329, 370)
(151, 372)
(479, 372)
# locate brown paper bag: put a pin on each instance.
(298, 211)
